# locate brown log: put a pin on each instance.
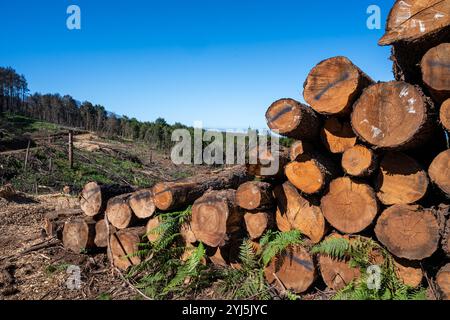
(435, 67)
(333, 85)
(298, 212)
(311, 172)
(269, 165)
(79, 234)
(349, 206)
(393, 115)
(54, 221)
(294, 268)
(359, 161)
(445, 243)
(101, 234)
(254, 195)
(95, 196)
(408, 272)
(142, 204)
(187, 234)
(181, 193)
(439, 172)
(298, 148)
(337, 135)
(257, 223)
(443, 282)
(216, 219)
(444, 114)
(293, 119)
(125, 245)
(119, 212)
(401, 180)
(152, 232)
(408, 231)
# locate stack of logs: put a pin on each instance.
(369, 158)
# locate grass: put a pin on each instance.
(56, 268)
(21, 125)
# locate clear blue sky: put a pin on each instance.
(219, 61)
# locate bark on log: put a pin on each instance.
(393, 115)
(293, 119)
(142, 204)
(444, 114)
(333, 85)
(435, 66)
(257, 223)
(298, 212)
(439, 172)
(445, 243)
(101, 234)
(124, 246)
(254, 195)
(79, 234)
(181, 193)
(216, 219)
(54, 221)
(443, 282)
(408, 231)
(95, 196)
(359, 161)
(349, 206)
(311, 172)
(119, 212)
(401, 180)
(295, 269)
(337, 135)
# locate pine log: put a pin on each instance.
(408, 272)
(359, 161)
(125, 245)
(349, 206)
(298, 212)
(445, 243)
(101, 234)
(435, 67)
(401, 180)
(95, 196)
(311, 172)
(54, 221)
(216, 219)
(333, 85)
(79, 234)
(408, 231)
(152, 230)
(337, 135)
(258, 222)
(254, 195)
(443, 282)
(393, 115)
(439, 172)
(119, 212)
(444, 114)
(269, 165)
(181, 193)
(187, 234)
(293, 119)
(298, 148)
(142, 204)
(294, 268)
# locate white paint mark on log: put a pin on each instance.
(364, 121)
(422, 26)
(439, 15)
(411, 108)
(404, 92)
(376, 132)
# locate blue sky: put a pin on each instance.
(222, 62)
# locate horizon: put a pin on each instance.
(219, 63)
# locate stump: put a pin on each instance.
(337, 135)
(359, 161)
(439, 172)
(254, 195)
(124, 247)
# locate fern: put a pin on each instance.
(335, 247)
(276, 242)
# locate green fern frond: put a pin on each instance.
(334, 247)
(279, 243)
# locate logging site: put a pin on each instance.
(226, 159)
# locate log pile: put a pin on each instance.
(368, 158)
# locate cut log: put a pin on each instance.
(408, 231)
(257, 223)
(298, 148)
(349, 206)
(119, 211)
(187, 234)
(125, 245)
(269, 165)
(435, 67)
(393, 115)
(294, 268)
(333, 85)
(401, 180)
(337, 273)
(254, 195)
(79, 234)
(95, 196)
(408, 272)
(443, 282)
(359, 161)
(337, 135)
(293, 119)
(216, 219)
(152, 229)
(444, 114)
(439, 172)
(181, 193)
(446, 239)
(298, 212)
(101, 234)
(311, 172)
(54, 221)
(142, 204)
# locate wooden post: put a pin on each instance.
(70, 149)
